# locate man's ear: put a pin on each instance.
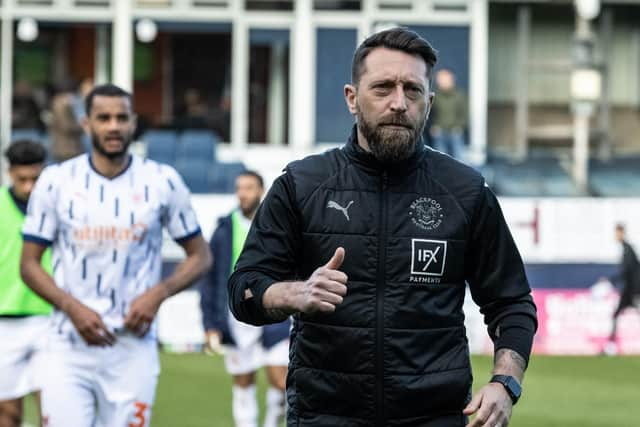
(350, 96)
(430, 103)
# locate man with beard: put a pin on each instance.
(450, 115)
(369, 248)
(103, 214)
(246, 347)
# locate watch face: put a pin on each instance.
(514, 387)
(510, 384)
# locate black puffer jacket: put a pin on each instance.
(395, 352)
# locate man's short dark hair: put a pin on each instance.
(620, 227)
(255, 175)
(25, 152)
(104, 90)
(398, 38)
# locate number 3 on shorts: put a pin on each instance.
(140, 420)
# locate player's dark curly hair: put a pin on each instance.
(25, 152)
(104, 90)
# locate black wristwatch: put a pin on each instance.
(510, 384)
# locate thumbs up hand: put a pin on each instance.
(326, 288)
(336, 260)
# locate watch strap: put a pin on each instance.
(510, 384)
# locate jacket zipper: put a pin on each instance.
(382, 252)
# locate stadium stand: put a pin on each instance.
(550, 176)
(222, 176)
(161, 145)
(195, 173)
(193, 153)
(197, 144)
(617, 177)
(543, 177)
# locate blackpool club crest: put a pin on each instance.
(426, 213)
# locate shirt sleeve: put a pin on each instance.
(179, 217)
(213, 293)
(41, 222)
(270, 253)
(497, 279)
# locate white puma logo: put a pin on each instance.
(344, 210)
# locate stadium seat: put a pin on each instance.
(536, 177)
(161, 145)
(222, 177)
(197, 144)
(195, 173)
(617, 177)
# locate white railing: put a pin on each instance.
(65, 8)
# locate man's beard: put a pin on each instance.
(250, 210)
(391, 145)
(95, 141)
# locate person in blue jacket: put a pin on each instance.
(246, 347)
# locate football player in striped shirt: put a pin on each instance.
(103, 214)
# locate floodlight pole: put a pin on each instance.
(583, 103)
(581, 115)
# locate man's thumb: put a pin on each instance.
(473, 406)
(336, 260)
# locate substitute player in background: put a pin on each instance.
(629, 275)
(103, 214)
(247, 347)
(23, 315)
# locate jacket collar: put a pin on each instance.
(20, 204)
(368, 162)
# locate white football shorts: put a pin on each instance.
(23, 339)
(249, 355)
(100, 386)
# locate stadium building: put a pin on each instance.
(219, 85)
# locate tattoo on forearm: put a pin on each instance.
(507, 360)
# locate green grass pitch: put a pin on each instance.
(195, 391)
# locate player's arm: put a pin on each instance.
(196, 263)
(87, 322)
(144, 308)
(498, 284)
(38, 279)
